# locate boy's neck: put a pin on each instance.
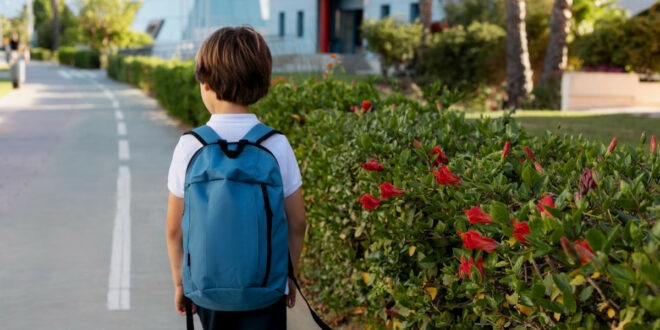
(224, 107)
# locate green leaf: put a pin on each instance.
(596, 239)
(499, 213)
(586, 293)
(569, 301)
(562, 282)
(553, 306)
(529, 176)
(622, 273)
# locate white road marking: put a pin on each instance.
(64, 74)
(119, 281)
(119, 115)
(121, 128)
(115, 104)
(89, 75)
(124, 153)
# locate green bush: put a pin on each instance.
(394, 41)
(40, 54)
(80, 58)
(464, 58)
(400, 264)
(632, 45)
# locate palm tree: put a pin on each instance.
(556, 56)
(56, 24)
(518, 69)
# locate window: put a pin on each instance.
(384, 11)
(414, 11)
(281, 23)
(301, 26)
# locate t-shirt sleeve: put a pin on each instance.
(183, 152)
(291, 177)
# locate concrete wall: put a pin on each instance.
(399, 9)
(291, 43)
(589, 90)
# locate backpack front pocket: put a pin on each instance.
(231, 236)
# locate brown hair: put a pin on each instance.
(235, 62)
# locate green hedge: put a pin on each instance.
(40, 54)
(80, 58)
(405, 263)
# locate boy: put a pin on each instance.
(233, 68)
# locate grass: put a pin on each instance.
(5, 86)
(626, 128)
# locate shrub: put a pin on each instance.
(464, 58)
(66, 55)
(632, 44)
(80, 58)
(394, 41)
(40, 54)
(407, 262)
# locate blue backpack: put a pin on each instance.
(234, 226)
(235, 244)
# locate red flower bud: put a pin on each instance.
(369, 202)
(417, 144)
(387, 190)
(529, 153)
(506, 149)
(546, 201)
(445, 177)
(474, 240)
(441, 159)
(612, 145)
(476, 215)
(538, 167)
(366, 105)
(568, 248)
(520, 230)
(584, 251)
(464, 268)
(587, 182)
(654, 144)
(372, 166)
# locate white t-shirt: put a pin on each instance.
(232, 127)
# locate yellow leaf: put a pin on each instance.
(512, 241)
(432, 291)
(479, 296)
(526, 310)
(397, 325)
(560, 299)
(411, 250)
(602, 306)
(557, 316)
(365, 277)
(358, 310)
(505, 304)
(388, 324)
(389, 282)
(611, 313)
(595, 275)
(578, 280)
(342, 236)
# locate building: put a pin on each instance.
(291, 27)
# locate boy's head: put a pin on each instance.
(235, 63)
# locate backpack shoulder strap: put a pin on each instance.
(204, 134)
(259, 133)
(315, 316)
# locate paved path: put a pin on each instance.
(83, 170)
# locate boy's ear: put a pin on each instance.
(206, 87)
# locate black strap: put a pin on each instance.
(189, 315)
(315, 316)
(267, 135)
(199, 138)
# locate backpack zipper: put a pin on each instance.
(269, 225)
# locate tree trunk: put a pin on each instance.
(56, 24)
(518, 69)
(556, 57)
(425, 8)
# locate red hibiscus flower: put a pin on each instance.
(654, 144)
(464, 268)
(538, 167)
(529, 153)
(441, 159)
(369, 202)
(417, 144)
(366, 105)
(329, 65)
(387, 190)
(546, 201)
(586, 182)
(521, 160)
(333, 55)
(520, 230)
(372, 166)
(506, 149)
(476, 215)
(612, 145)
(474, 240)
(445, 177)
(584, 251)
